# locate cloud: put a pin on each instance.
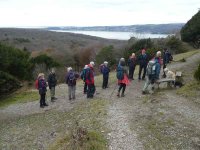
(94, 12)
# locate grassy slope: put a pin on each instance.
(60, 128)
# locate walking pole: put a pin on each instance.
(113, 90)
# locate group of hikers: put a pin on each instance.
(149, 68)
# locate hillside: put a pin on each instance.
(56, 43)
(135, 121)
(147, 28)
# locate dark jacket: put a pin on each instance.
(131, 62)
(42, 86)
(166, 56)
(52, 81)
(71, 82)
(105, 71)
(143, 59)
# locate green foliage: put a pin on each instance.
(22, 40)
(137, 46)
(197, 74)
(7, 83)
(175, 45)
(106, 54)
(15, 62)
(191, 31)
(44, 59)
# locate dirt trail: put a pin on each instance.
(127, 116)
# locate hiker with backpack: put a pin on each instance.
(90, 80)
(132, 64)
(42, 87)
(105, 72)
(71, 78)
(83, 77)
(153, 73)
(143, 61)
(52, 81)
(122, 77)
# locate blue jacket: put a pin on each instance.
(157, 69)
(105, 71)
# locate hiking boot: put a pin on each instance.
(143, 92)
(41, 106)
(122, 95)
(46, 104)
(54, 98)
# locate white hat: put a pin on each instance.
(69, 68)
(92, 63)
(105, 62)
(86, 66)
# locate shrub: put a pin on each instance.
(15, 62)
(44, 59)
(8, 83)
(197, 74)
(106, 54)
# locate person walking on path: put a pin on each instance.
(71, 78)
(166, 59)
(132, 64)
(105, 72)
(122, 77)
(52, 81)
(90, 80)
(83, 77)
(42, 87)
(153, 73)
(143, 61)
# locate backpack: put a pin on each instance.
(101, 68)
(37, 84)
(120, 73)
(151, 68)
(72, 78)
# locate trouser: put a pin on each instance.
(149, 84)
(85, 88)
(42, 99)
(131, 72)
(123, 87)
(142, 67)
(105, 82)
(91, 90)
(71, 91)
(52, 92)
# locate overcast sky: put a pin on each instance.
(16, 13)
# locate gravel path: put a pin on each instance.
(122, 111)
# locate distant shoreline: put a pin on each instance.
(115, 35)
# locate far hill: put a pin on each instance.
(147, 28)
(58, 44)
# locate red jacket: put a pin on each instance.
(90, 75)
